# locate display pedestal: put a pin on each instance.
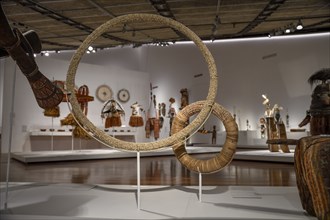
(200, 186)
(34, 201)
(138, 176)
(59, 138)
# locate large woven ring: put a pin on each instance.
(100, 135)
(224, 157)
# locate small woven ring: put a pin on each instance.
(99, 134)
(224, 157)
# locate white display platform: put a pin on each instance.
(75, 201)
(241, 154)
(62, 139)
(248, 138)
(64, 133)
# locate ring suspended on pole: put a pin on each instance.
(224, 157)
(103, 137)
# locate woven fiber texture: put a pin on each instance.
(224, 157)
(312, 161)
(99, 134)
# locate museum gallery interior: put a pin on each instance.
(165, 109)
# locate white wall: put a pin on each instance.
(122, 57)
(244, 71)
(244, 75)
(29, 116)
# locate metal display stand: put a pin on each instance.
(72, 141)
(52, 136)
(10, 137)
(138, 176)
(80, 144)
(200, 186)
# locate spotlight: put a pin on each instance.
(90, 48)
(287, 31)
(299, 25)
(46, 54)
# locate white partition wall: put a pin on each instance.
(278, 67)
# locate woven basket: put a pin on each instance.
(312, 162)
(135, 121)
(52, 112)
(112, 121)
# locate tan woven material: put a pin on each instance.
(113, 121)
(272, 134)
(69, 120)
(282, 135)
(135, 121)
(129, 146)
(52, 112)
(224, 157)
(47, 94)
(312, 160)
(79, 132)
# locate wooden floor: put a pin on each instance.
(164, 170)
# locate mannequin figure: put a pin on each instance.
(112, 112)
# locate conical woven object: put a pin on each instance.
(47, 94)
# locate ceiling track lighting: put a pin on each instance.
(299, 25)
(91, 49)
(215, 25)
(288, 29)
(162, 43)
(216, 22)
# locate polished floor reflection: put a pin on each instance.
(164, 170)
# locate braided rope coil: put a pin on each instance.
(99, 134)
(224, 157)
